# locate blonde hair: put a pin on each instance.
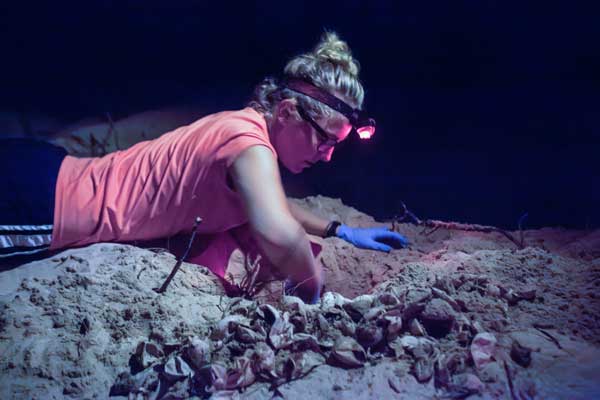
(329, 66)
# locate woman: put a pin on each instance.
(223, 168)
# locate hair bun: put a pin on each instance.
(329, 66)
(334, 50)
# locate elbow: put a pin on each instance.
(276, 237)
(283, 234)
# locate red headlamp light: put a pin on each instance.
(365, 132)
(363, 125)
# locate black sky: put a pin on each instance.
(485, 109)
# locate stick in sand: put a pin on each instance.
(163, 288)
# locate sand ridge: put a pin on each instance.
(440, 318)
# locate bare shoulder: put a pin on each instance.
(255, 155)
(255, 173)
(254, 161)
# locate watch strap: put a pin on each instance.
(331, 228)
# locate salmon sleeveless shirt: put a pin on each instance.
(157, 188)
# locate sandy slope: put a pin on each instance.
(70, 325)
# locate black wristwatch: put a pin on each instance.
(331, 228)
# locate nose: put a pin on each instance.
(326, 155)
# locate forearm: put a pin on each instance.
(278, 233)
(291, 254)
(299, 264)
(311, 223)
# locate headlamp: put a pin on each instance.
(361, 123)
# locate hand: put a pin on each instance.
(310, 294)
(381, 239)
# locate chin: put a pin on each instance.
(294, 169)
(297, 170)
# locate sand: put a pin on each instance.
(455, 315)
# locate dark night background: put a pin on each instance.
(485, 109)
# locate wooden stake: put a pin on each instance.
(164, 286)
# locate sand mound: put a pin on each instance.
(458, 314)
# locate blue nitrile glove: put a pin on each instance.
(381, 239)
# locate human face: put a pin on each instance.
(323, 135)
(299, 143)
(326, 142)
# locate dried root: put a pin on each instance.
(433, 225)
(249, 286)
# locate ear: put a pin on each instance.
(286, 111)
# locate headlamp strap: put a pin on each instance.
(308, 89)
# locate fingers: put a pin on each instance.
(308, 292)
(380, 238)
(393, 238)
(373, 245)
(289, 287)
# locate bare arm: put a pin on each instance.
(311, 223)
(282, 239)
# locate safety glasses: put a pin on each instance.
(361, 123)
(327, 142)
